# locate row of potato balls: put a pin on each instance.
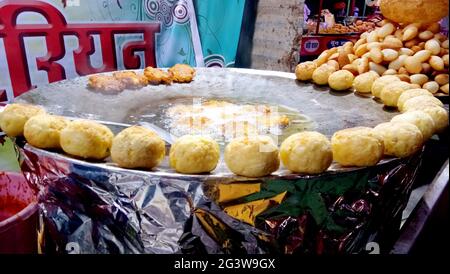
(252, 156)
(404, 96)
(418, 105)
(421, 111)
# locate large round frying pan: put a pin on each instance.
(328, 110)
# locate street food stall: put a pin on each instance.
(325, 30)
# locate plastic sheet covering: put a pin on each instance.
(96, 208)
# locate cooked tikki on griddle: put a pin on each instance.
(157, 76)
(131, 79)
(182, 73)
(128, 79)
(105, 83)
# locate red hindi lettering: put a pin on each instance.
(13, 36)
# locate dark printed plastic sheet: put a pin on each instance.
(93, 208)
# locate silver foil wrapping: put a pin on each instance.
(87, 208)
(95, 208)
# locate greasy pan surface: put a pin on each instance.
(329, 110)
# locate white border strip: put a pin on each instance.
(288, 75)
(195, 35)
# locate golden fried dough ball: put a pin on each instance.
(341, 80)
(137, 147)
(321, 74)
(439, 116)
(363, 82)
(419, 102)
(157, 76)
(130, 79)
(381, 82)
(43, 130)
(304, 71)
(410, 93)
(420, 119)
(414, 11)
(253, 156)
(400, 139)
(306, 152)
(193, 154)
(86, 139)
(390, 93)
(359, 146)
(182, 73)
(105, 83)
(14, 117)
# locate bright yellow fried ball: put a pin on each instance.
(410, 93)
(359, 146)
(252, 156)
(14, 117)
(137, 147)
(439, 116)
(86, 139)
(306, 152)
(304, 71)
(341, 80)
(420, 102)
(400, 139)
(390, 93)
(193, 154)
(44, 130)
(420, 119)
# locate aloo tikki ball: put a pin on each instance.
(14, 117)
(423, 121)
(86, 139)
(43, 131)
(439, 116)
(401, 139)
(138, 147)
(194, 154)
(252, 156)
(306, 152)
(358, 146)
